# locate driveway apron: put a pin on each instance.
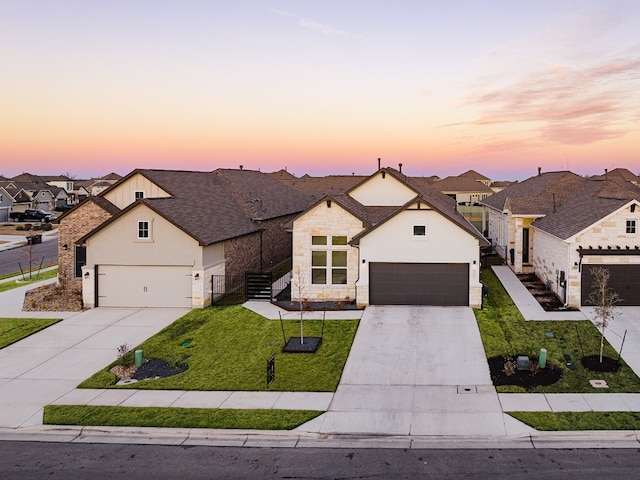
(416, 371)
(41, 368)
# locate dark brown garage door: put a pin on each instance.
(625, 279)
(443, 284)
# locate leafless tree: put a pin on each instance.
(604, 300)
(298, 284)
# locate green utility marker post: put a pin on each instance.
(138, 358)
(542, 359)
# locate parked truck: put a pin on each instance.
(31, 214)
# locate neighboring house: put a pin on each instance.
(172, 231)
(478, 177)
(499, 185)
(385, 241)
(21, 199)
(618, 174)
(60, 181)
(514, 209)
(599, 225)
(6, 203)
(468, 190)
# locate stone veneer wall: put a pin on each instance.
(74, 226)
(323, 220)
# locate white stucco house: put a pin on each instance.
(386, 241)
(159, 238)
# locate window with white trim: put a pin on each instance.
(144, 230)
(329, 260)
(631, 226)
(419, 230)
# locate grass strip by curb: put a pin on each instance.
(174, 417)
(36, 277)
(575, 421)
(14, 329)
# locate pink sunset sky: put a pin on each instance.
(320, 87)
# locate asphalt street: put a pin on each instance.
(33, 460)
(45, 252)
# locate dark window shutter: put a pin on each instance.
(81, 260)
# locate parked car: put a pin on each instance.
(64, 208)
(33, 215)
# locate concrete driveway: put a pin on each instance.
(415, 371)
(49, 364)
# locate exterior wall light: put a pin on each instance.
(196, 276)
(86, 274)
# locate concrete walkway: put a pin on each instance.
(526, 303)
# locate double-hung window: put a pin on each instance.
(329, 260)
(143, 230)
(631, 226)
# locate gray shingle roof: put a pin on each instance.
(594, 200)
(536, 195)
(215, 206)
(461, 184)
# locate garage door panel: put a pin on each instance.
(625, 280)
(443, 284)
(144, 286)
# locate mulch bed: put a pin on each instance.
(156, 368)
(608, 364)
(526, 379)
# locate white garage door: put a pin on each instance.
(144, 286)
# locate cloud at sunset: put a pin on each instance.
(318, 88)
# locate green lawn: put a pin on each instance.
(176, 417)
(548, 421)
(14, 329)
(505, 332)
(35, 277)
(229, 348)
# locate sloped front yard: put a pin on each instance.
(505, 333)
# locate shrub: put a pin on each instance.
(28, 226)
(47, 227)
(20, 228)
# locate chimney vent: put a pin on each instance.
(400, 165)
(378, 163)
(539, 170)
(241, 167)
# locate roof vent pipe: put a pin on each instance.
(539, 171)
(378, 163)
(400, 165)
(606, 174)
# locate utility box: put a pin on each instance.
(523, 362)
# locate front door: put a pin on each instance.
(525, 245)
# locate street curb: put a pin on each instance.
(288, 439)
